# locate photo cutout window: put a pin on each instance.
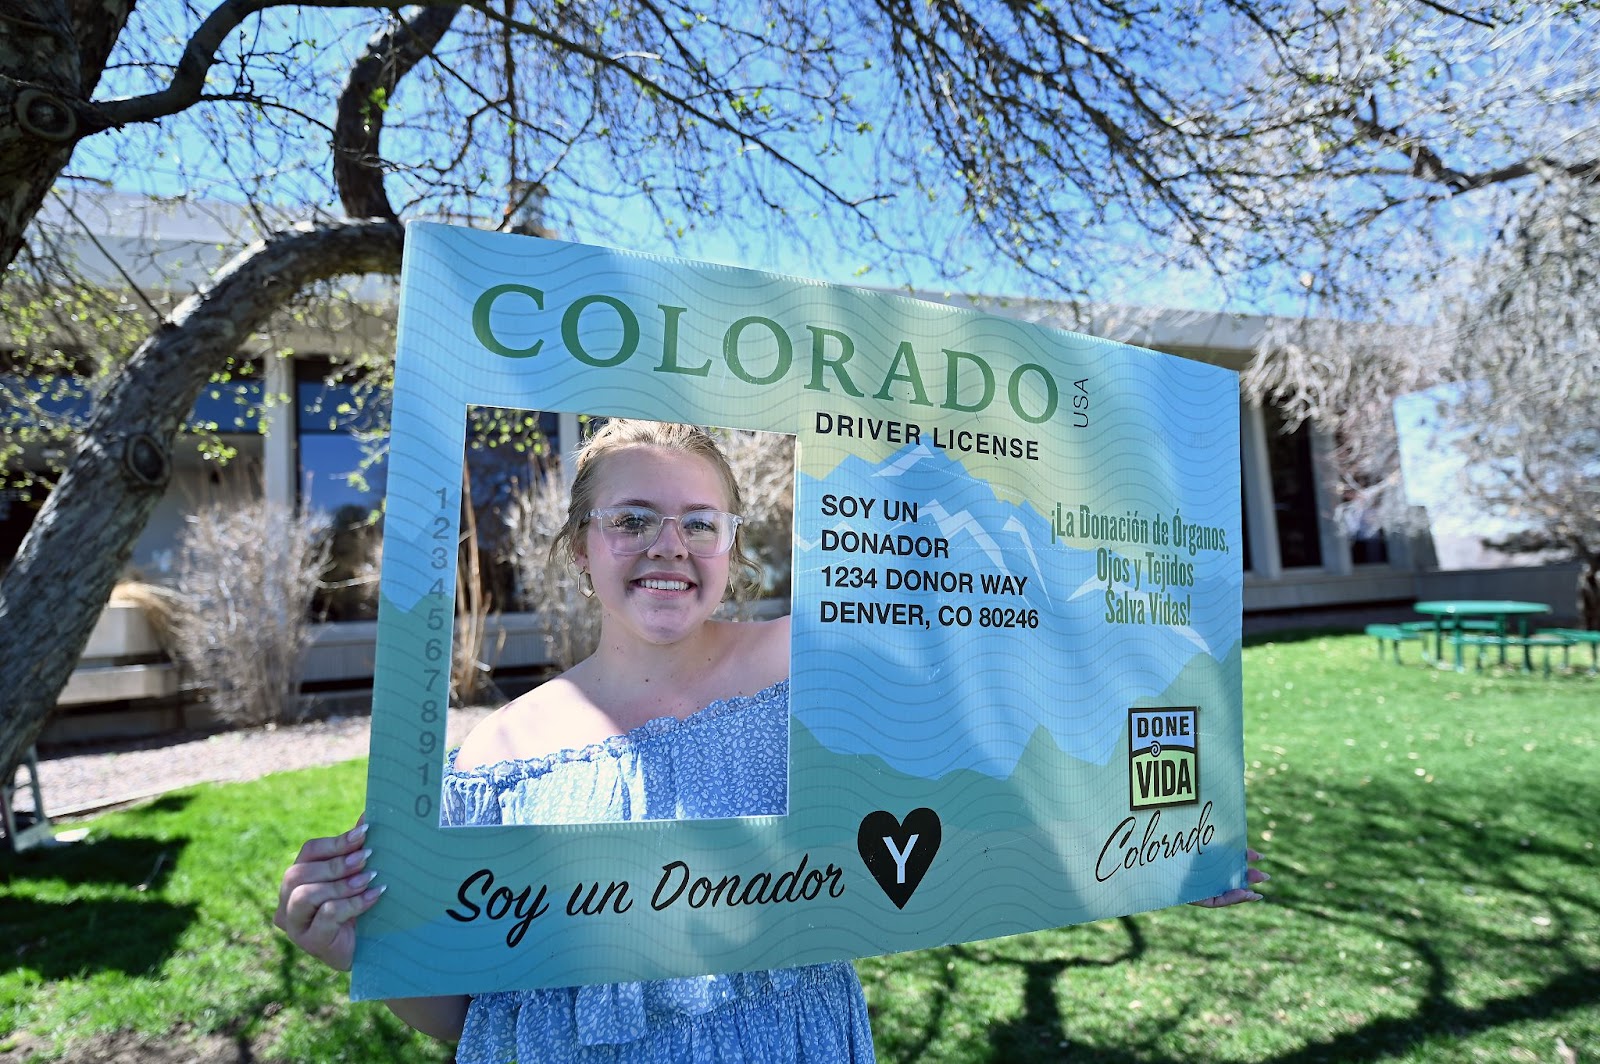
(654, 535)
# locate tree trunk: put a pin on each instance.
(65, 570)
(52, 53)
(1589, 591)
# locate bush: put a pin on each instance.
(763, 466)
(569, 623)
(247, 574)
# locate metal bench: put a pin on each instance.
(1396, 634)
(1548, 640)
(1441, 627)
(1578, 635)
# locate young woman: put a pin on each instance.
(675, 715)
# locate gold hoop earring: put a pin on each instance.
(585, 584)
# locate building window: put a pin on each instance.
(341, 430)
(52, 408)
(507, 451)
(1368, 546)
(1294, 492)
(230, 407)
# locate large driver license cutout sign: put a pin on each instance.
(1015, 667)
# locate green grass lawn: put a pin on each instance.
(1435, 897)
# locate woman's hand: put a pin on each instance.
(1252, 876)
(323, 892)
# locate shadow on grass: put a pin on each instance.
(1384, 1039)
(92, 906)
(1038, 1033)
(112, 861)
(68, 940)
(1040, 1028)
(171, 802)
(328, 1026)
(1401, 862)
(1383, 840)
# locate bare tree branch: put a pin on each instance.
(1428, 165)
(199, 54)
(357, 163)
(687, 106)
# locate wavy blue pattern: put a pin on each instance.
(1022, 749)
(917, 713)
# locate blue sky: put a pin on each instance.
(198, 155)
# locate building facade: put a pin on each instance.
(302, 432)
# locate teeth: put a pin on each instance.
(665, 585)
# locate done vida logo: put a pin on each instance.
(1163, 757)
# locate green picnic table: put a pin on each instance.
(1455, 612)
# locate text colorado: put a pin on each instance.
(761, 352)
(1116, 854)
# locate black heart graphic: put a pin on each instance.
(898, 853)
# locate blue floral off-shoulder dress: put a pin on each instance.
(728, 759)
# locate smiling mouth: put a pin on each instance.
(665, 585)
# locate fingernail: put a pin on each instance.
(357, 859)
(357, 833)
(374, 893)
(1257, 897)
(361, 879)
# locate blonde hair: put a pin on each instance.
(617, 434)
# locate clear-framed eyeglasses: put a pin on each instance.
(635, 529)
